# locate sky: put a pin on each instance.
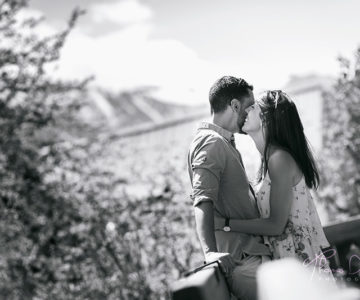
(179, 48)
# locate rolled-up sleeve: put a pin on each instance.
(206, 166)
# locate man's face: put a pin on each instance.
(247, 102)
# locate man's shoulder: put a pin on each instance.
(207, 139)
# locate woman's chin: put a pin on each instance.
(244, 129)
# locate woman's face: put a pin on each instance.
(252, 121)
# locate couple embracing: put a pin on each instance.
(237, 226)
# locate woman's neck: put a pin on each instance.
(259, 141)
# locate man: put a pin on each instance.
(220, 187)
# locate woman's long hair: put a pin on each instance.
(283, 128)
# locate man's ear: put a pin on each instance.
(235, 105)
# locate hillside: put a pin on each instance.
(133, 109)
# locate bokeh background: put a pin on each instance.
(99, 103)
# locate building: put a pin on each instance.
(307, 93)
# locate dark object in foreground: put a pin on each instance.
(205, 282)
(344, 238)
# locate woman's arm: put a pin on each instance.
(281, 169)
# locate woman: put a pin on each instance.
(289, 221)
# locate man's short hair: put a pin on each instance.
(225, 89)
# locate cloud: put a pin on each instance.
(28, 13)
(120, 12)
(128, 57)
(42, 29)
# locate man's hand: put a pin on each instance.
(219, 223)
(227, 263)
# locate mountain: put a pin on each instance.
(134, 110)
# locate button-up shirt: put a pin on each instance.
(218, 176)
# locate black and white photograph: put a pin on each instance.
(180, 150)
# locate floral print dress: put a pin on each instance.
(303, 236)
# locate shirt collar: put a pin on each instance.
(223, 132)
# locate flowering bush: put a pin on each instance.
(73, 221)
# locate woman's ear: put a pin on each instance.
(262, 118)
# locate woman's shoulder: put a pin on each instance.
(280, 156)
(281, 162)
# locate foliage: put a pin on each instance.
(340, 161)
(73, 223)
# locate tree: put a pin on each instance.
(68, 227)
(31, 104)
(340, 162)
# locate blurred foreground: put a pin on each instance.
(91, 211)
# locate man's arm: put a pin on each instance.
(206, 169)
(204, 219)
